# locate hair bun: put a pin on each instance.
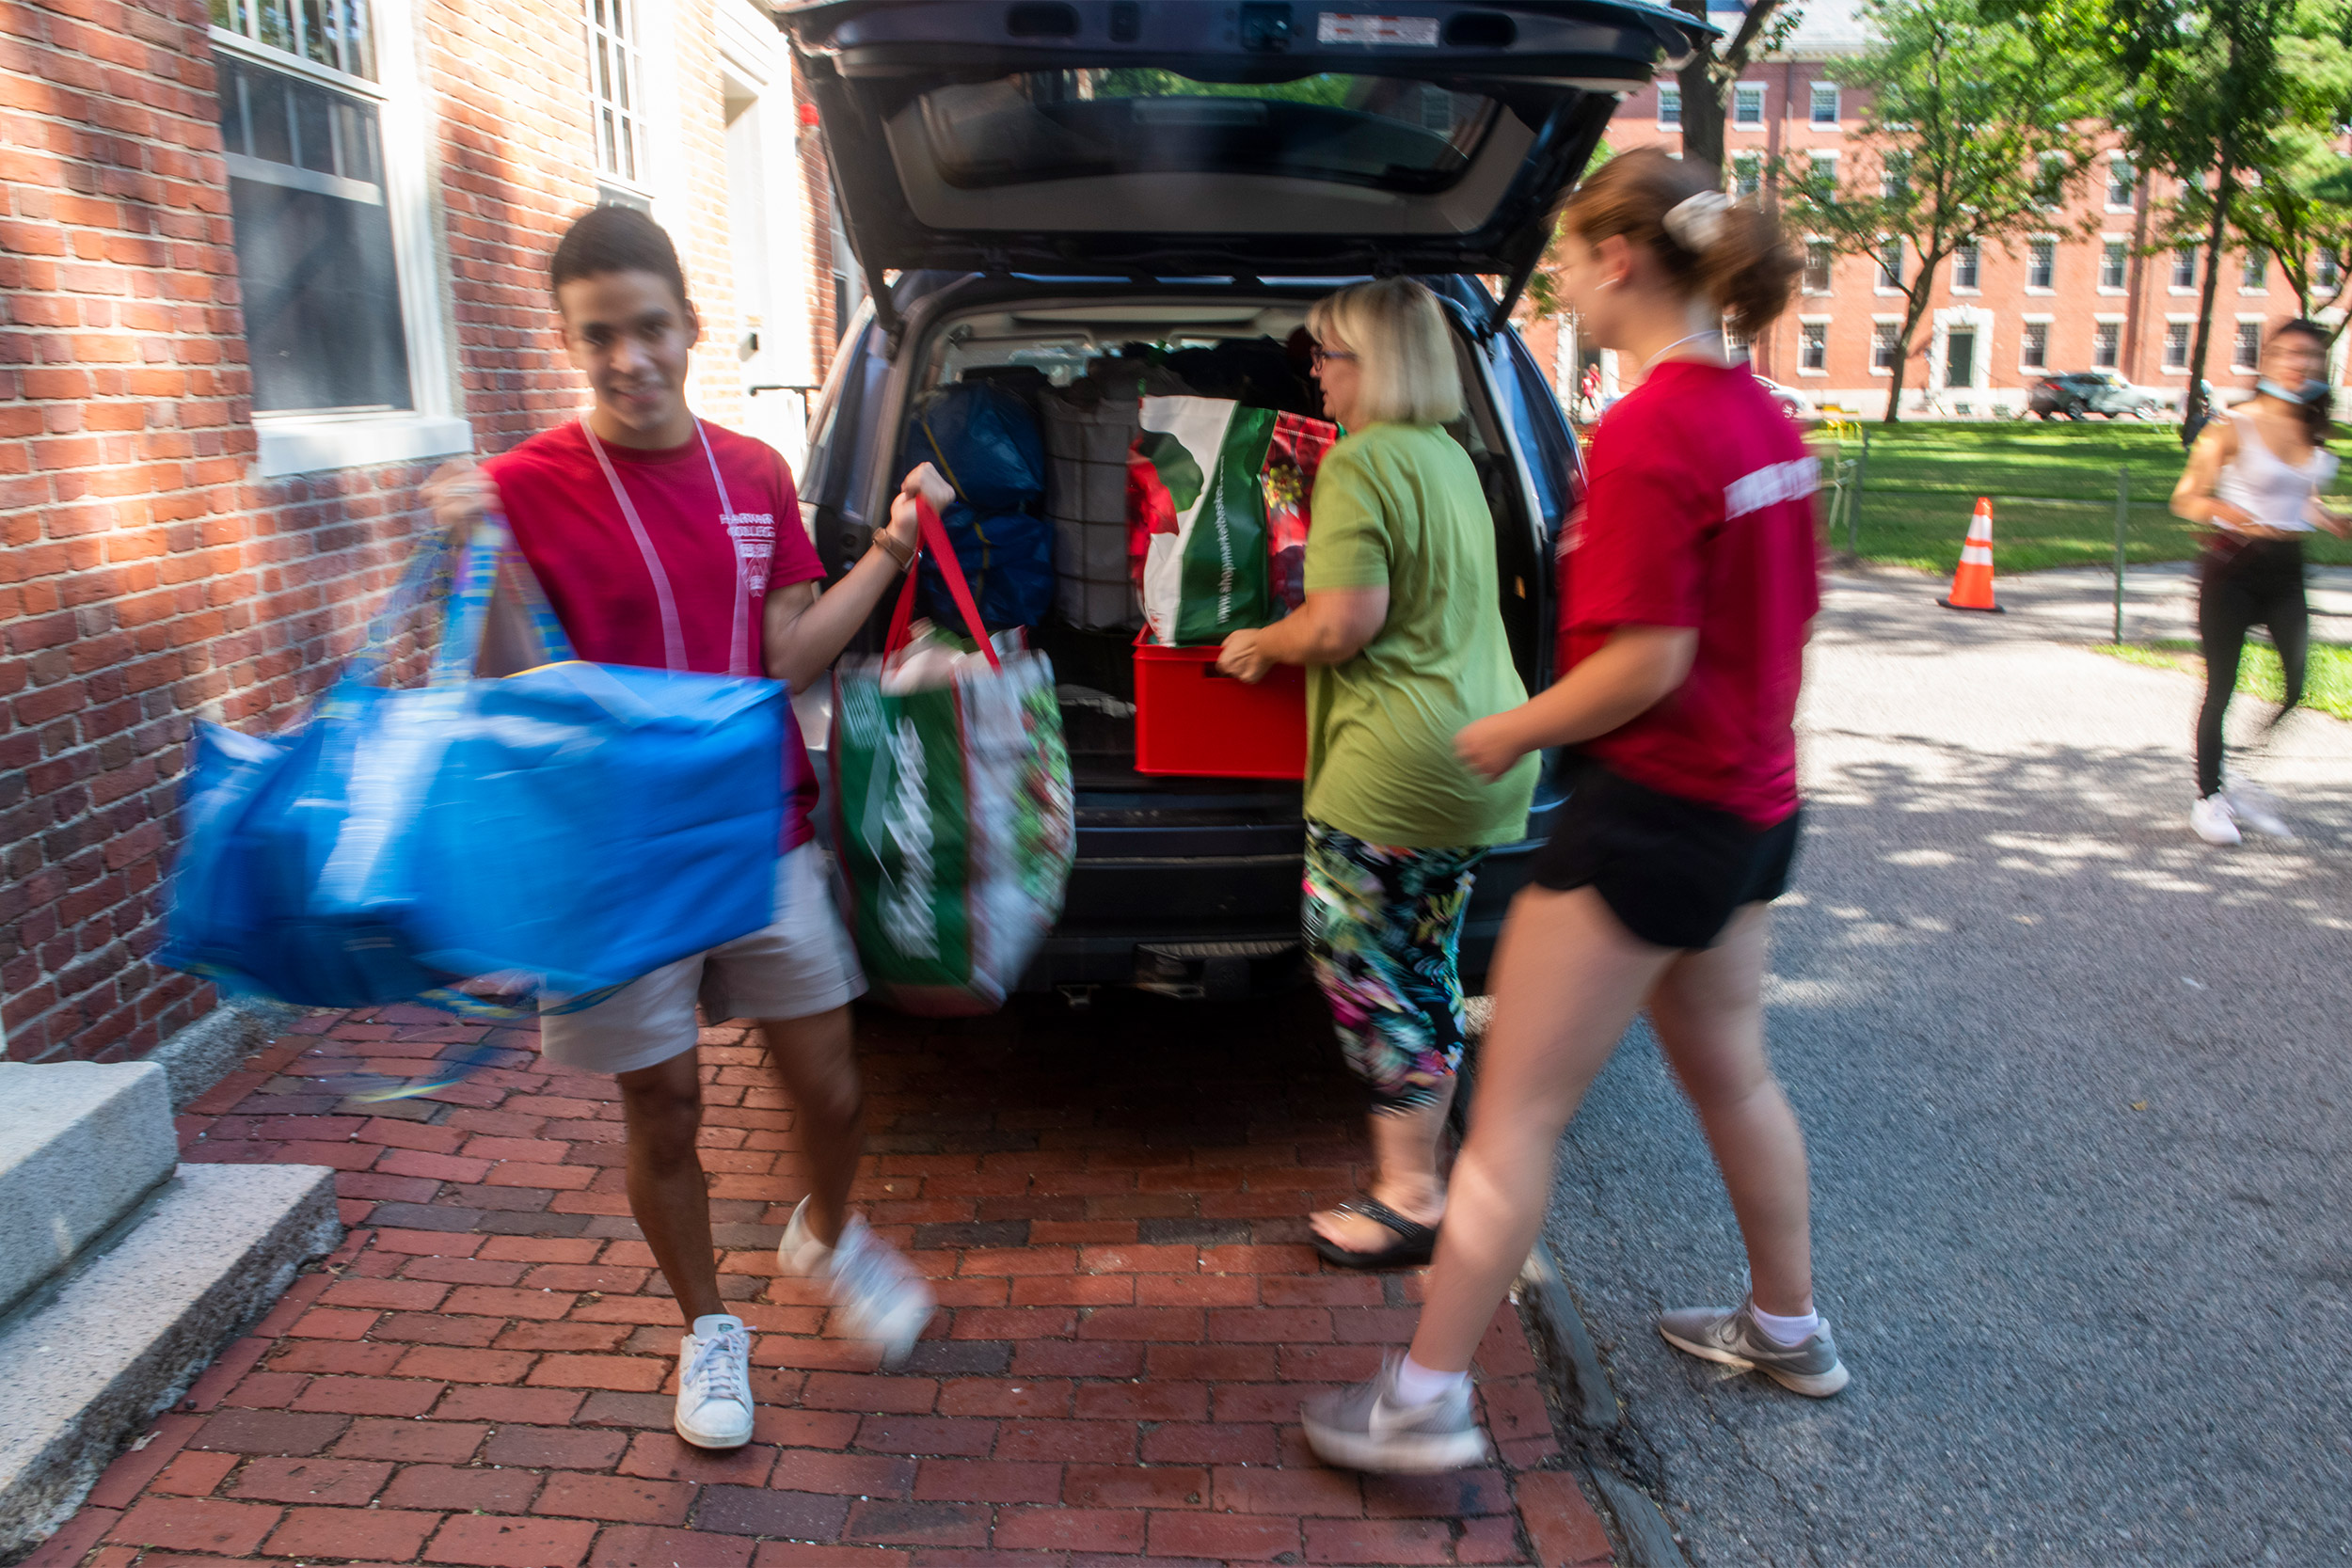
(1697, 222)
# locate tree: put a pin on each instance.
(1707, 79)
(1970, 136)
(2214, 93)
(2301, 215)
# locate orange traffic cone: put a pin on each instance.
(1972, 585)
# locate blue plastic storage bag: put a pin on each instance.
(984, 440)
(1008, 558)
(577, 825)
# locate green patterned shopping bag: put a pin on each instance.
(951, 813)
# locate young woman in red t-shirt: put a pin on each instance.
(1688, 585)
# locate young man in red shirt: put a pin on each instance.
(663, 541)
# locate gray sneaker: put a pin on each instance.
(1363, 1428)
(1729, 1335)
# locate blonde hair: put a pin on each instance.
(1396, 330)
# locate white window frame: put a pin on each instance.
(2025, 324)
(2261, 286)
(2326, 268)
(2105, 243)
(1878, 274)
(1746, 90)
(2257, 323)
(2173, 265)
(1664, 89)
(298, 442)
(2101, 321)
(645, 182)
(1814, 160)
(1814, 90)
(2050, 170)
(1976, 253)
(2041, 288)
(2187, 326)
(1876, 323)
(1830, 288)
(1746, 168)
(2131, 179)
(1824, 323)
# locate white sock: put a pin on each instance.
(1787, 1333)
(1416, 1385)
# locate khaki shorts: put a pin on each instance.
(799, 966)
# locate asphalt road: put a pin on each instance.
(2078, 1090)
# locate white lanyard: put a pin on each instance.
(672, 636)
(1711, 332)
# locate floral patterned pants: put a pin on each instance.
(1382, 928)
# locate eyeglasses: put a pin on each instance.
(1322, 355)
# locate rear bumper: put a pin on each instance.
(1217, 925)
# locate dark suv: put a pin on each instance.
(1034, 188)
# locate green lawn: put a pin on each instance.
(2053, 491)
(2326, 686)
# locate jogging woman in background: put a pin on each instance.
(1689, 581)
(2255, 477)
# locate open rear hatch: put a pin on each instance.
(1112, 138)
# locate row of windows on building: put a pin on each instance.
(2033, 344)
(2115, 258)
(300, 107)
(1820, 175)
(1747, 104)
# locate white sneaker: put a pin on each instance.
(2255, 806)
(878, 1296)
(714, 1383)
(2212, 820)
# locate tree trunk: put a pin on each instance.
(1702, 114)
(1915, 299)
(2193, 404)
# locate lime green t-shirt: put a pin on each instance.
(1399, 507)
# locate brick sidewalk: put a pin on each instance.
(1109, 1208)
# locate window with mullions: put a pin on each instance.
(313, 235)
(2248, 352)
(616, 88)
(332, 33)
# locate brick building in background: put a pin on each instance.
(266, 264)
(2081, 297)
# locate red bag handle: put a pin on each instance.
(930, 530)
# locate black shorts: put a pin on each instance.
(1671, 870)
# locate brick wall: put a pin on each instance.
(150, 579)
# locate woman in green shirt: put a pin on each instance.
(1402, 641)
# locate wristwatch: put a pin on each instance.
(903, 555)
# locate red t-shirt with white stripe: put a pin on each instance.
(719, 561)
(1698, 512)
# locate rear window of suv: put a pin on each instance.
(1389, 133)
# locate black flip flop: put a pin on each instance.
(1415, 1243)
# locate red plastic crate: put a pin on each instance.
(1192, 721)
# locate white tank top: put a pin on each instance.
(2264, 485)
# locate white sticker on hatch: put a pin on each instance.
(1412, 32)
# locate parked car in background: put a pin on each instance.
(1039, 193)
(1792, 403)
(2080, 394)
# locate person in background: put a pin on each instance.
(1688, 586)
(1402, 636)
(664, 541)
(2255, 477)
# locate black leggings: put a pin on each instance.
(2258, 582)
